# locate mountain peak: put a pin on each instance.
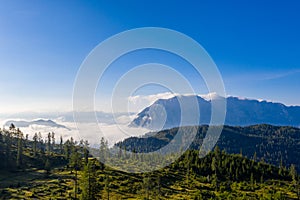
(240, 112)
(41, 122)
(210, 96)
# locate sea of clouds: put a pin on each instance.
(113, 128)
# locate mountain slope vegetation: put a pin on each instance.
(42, 169)
(277, 145)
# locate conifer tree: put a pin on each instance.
(53, 140)
(35, 138)
(293, 174)
(86, 152)
(49, 143)
(103, 152)
(88, 182)
(8, 142)
(75, 163)
(61, 145)
(20, 148)
(67, 149)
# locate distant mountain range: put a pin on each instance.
(240, 112)
(40, 122)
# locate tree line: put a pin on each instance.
(92, 179)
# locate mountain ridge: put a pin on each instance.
(240, 112)
(272, 144)
(41, 122)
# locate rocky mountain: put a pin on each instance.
(240, 112)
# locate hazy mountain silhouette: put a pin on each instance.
(240, 112)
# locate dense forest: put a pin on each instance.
(40, 168)
(277, 145)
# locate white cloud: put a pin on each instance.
(113, 126)
(113, 132)
(139, 102)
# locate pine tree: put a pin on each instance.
(86, 152)
(293, 174)
(12, 129)
(214, 168)
(53, 140)
(20, 148)
(67, 149)
(1, 136)
(103, 152)
(8, 142)
(26, 140)
(75, 163)
(72, 142)
(40, 140)
(75, 160)
(35, 138)
(49, 143)
(281, 167)
(61, 145)
(88, 182)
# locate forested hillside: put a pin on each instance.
(41, 169)
(278, 145)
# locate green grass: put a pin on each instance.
(59, 184)
(217, 176)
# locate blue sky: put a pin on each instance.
(255, 44)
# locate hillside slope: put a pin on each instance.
(273, 144)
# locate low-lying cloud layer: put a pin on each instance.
(113, 129)
(113, 126)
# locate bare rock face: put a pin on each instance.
(166, 113)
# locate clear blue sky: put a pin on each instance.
(255, 44)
